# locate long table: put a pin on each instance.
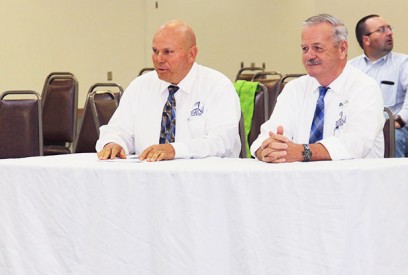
(74, 214)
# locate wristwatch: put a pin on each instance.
(307, 154)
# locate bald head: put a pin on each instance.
(179, 29)
(174, 51)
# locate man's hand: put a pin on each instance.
(274, 148)
(111, 151)
(158, 152)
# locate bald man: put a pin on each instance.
(204, 101)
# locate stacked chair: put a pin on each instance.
(247, 73)
(285, 79)
(101, 102)
(268, 85)
(59, 112)
(271, 80)
(254, 105)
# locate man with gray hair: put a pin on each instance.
(334, 112)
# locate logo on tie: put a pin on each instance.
(316, 131)
(168, 123)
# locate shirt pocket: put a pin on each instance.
(196, 125)
(389, 94)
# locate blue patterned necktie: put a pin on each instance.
(168, 123)
(316, 132)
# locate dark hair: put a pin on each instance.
(361, 28)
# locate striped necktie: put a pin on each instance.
(168, 123)
(316, 131)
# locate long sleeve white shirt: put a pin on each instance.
(391, 74)
(353, 118)
(207, 115)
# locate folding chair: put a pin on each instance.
(284, 80)
(389, 134)
(20, 124)
(246, 73)
(99, 108)
(271, 81)
(59, 112)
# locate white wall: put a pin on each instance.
(86, 37)
(91, 37)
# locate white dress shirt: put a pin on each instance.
(391, 73)
(353, 118)
(207, 115)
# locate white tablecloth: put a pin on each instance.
(73, 214)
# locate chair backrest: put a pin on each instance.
(285, 79)
(20, 124)
(99, 108)
(59, 112)
(103, 105)
(242, 135)
(389, 134)
(247, 73)
(271, 81)
(261, 112)
(146, 70)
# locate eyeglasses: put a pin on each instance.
(383, 29)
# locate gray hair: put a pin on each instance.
(340, 30)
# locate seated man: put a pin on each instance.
(334, 112)
(389, 69)
(180, 110)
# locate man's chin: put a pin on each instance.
(163, 76)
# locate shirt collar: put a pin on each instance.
(378, 61)
(337, 84)
(186, 83)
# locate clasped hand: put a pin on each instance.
(275, 148)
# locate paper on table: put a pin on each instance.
(129, 158)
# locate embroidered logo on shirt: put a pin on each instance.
(342, 117)
(341, 121)
(197, 110)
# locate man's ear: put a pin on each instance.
(366, 40)
(343, 48)
(192, 53)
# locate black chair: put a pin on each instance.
(247, 73)
(20, 124)
(261, 113)
(99, 108)
(59, 112)
(389, 134)
(284, 80)
(271, 80)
